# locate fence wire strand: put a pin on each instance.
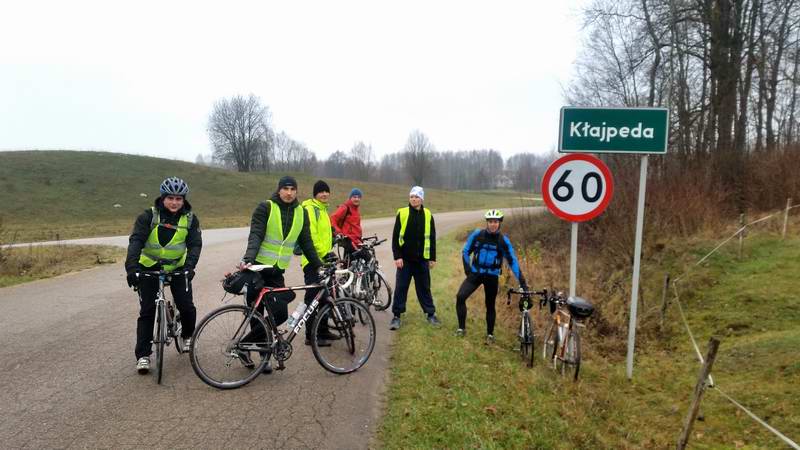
(783, 437)
(777, 433)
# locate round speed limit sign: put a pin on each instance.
(577, 187)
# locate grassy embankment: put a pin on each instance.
(47, 195)
(51, 195)
(456, 393)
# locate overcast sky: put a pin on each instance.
(141, 77)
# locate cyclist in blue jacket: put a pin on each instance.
(483, 258)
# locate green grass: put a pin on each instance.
(23, 264)
(447, 392)
(65, 194)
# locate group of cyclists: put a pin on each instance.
(168, 236)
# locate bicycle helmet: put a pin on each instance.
(174, 186)
(494, 214)
(235, 282)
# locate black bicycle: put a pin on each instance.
(168, 318)
(526, 332)
(562, 342)
(226, 340)
(370, 285)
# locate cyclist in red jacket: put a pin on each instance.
(347, 220)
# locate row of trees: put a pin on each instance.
(728, 70)
(243, 139)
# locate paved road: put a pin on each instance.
(67, 377)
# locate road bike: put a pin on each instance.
(526, 333)
(168, 318)
(226, 338)
(370, 285)
(562, 342)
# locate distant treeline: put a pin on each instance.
(243, 139)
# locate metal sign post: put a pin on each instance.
(637, 262)
(573, 260)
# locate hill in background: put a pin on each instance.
(48, 195)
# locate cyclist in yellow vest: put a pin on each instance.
(322, 234)
(276, 226)
(166, 236)
(414, 249)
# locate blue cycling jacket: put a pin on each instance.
(484, 252)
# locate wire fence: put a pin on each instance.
(740, 234)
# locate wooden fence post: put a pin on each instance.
(664, 302)
(699, 389)
(786, 217)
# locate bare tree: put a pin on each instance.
(418, 156)
(361, 161)
(239, 128)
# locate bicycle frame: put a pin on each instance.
(324, 296)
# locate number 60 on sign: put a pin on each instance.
(577, 187)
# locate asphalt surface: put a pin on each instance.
(68, 378)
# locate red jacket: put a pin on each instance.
(347, 221)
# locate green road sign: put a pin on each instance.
(613, 130)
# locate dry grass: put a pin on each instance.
(24, 264)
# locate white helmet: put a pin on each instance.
(494, 214)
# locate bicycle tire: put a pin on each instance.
(356, 339)
(177, 330)
(214, 348)
(527, 338)
(550, 344)
(572, 354)
(161, 337)
(383, 287)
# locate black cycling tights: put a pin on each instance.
(469, 285)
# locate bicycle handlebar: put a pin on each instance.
(159, 273)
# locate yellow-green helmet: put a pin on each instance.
(494, 214)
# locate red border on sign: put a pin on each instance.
(609, 182)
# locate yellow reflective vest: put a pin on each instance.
(403, 212)
(319, 224)
(172, 255)
(276, 249)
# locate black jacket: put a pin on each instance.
(258, 227)
(141, 231)
(414, 239)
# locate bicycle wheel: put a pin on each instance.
(381, 292)
(550, 344)
(229, 351)
(356, 339)
(526, 341)
(572, 354)
(160, 339)
(177, 330)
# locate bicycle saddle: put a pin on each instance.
(580, 307)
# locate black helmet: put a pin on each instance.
(174, 186)
(235, 282)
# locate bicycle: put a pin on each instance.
(370, 285)
(168, 318)
(220, 354)
(526, 334)
(562, 343)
